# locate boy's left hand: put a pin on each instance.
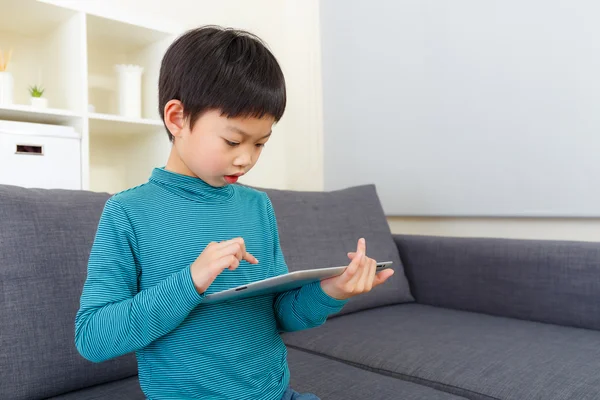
(359, 277)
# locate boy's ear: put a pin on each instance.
(174, 119)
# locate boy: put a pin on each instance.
(188, 232)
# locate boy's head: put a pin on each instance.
(220, 92)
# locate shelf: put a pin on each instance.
(112, 42)
(25, 113)
(107, 124)
(120, 36)
(47, 51)
(31, 18)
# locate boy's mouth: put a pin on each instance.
(232, 178)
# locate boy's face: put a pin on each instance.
(219, 149)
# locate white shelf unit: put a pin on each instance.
(72, 54)
(25, 113)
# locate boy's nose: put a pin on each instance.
(243, 160)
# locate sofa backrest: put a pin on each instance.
(45, 240)
(318, 229)
(555, 282)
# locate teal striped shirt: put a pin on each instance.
(139, 295)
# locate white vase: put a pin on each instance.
(129, 83)
(6, 88)
(39, 102)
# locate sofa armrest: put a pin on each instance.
(547, 281)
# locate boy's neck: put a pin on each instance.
(176, 164)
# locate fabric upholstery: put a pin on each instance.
(476, 356)
(546, 281)
(318, 229)
(329, 379)
(124, 389)
(333, 380)
(45, 239)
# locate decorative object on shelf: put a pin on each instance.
(129, 78)
(37, 101)
(6, 79)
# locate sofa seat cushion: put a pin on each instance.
(318, 229)
(124, 389)
(473, 355)
(333, 380)
(329, 379)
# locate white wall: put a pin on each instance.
(464, 108)
(515, 228)
(532, 228)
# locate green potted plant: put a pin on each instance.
(37, 100)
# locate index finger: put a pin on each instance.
(245, 255)
(250, 258)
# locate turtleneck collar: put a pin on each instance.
(189, 187)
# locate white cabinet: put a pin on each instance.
(40, 156)
(72, 54)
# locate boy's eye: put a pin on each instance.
(232, 144)
(260, 145)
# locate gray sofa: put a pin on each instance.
(460, 319)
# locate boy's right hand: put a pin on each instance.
(215, 258)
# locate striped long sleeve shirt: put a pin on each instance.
(139, 295)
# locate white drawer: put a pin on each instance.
(40, 161)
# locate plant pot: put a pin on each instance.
(6, 88)
(39, 102)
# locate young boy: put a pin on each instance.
(188, 232)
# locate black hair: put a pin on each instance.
(215, 68)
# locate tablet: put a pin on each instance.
(281, 283)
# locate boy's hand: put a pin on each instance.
(215, 258)
(359, 277)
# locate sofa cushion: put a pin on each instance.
(45, 240)
(318, 229)
(548, 281)
(333, 380)
(473, 355)
(124, 389)
(340, 382)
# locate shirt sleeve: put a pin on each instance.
(303, 308)
(114, 317)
